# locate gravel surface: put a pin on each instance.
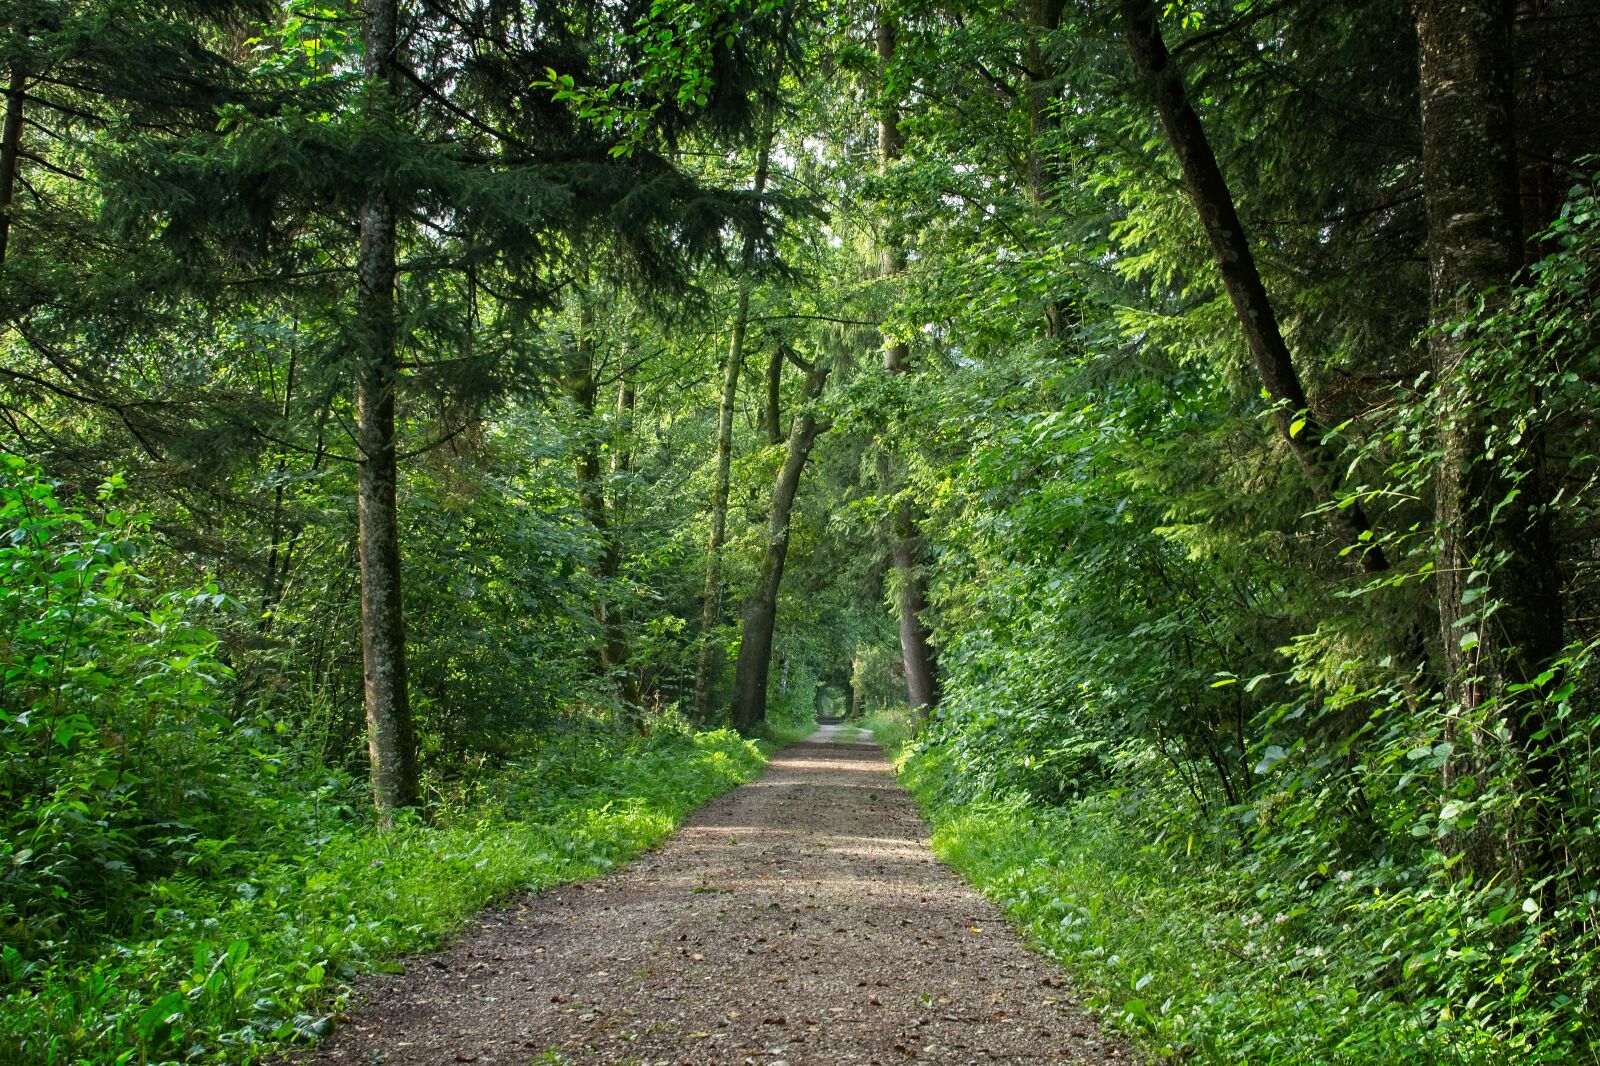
(799, 919)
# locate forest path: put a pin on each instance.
(799, 919)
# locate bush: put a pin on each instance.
(114, 755)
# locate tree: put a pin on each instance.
(911, 599)
(733, 367)
(1493, 521)
(759, 615)
(1302, 430)
(391, 737)
(582, 383)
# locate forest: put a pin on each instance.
(445, 442)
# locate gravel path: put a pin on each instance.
(799, 919)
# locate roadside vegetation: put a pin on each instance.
(425, 428)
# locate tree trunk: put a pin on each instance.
(1043, 17)
(711, 602)
(611, 652)
(1538, 46)
(619, 654)
(771, 411)
(10, 153)
(390, 741)
(281, 544)
(916, 653)
(761, 607)
(922, 673)
(1230, 247)
(1474, 250)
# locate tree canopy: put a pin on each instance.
(1179, 417)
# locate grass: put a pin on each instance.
(229, 967)
(892, 729)
(781, 734)
(1177, 952)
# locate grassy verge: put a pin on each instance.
(892, 729)
(781, 734)
(1178, 953)
(231, 965)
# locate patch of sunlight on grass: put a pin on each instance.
(892, 729)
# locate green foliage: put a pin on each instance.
(1176, 743)
(1171, 701)
(497, 573)
(231, 960)
(1206, 761)
(891, 729)
(116, 756)
(1167, 942)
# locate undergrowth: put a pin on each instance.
(784, 733)
(229, 960)
(1174, 948)
(891, 728)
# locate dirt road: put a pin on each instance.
(800, 919)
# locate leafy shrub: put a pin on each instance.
(113, 747)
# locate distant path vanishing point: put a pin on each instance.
(800, 919)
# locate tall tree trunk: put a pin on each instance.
(1488, 520)
(1044, 16)
(922, 676)
(581, 388)
(10, 153)
(711, 602)
(390, 740)
(1230, 247)
(916, 649)
(618, 652)
(760, 613)
(611, 653)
